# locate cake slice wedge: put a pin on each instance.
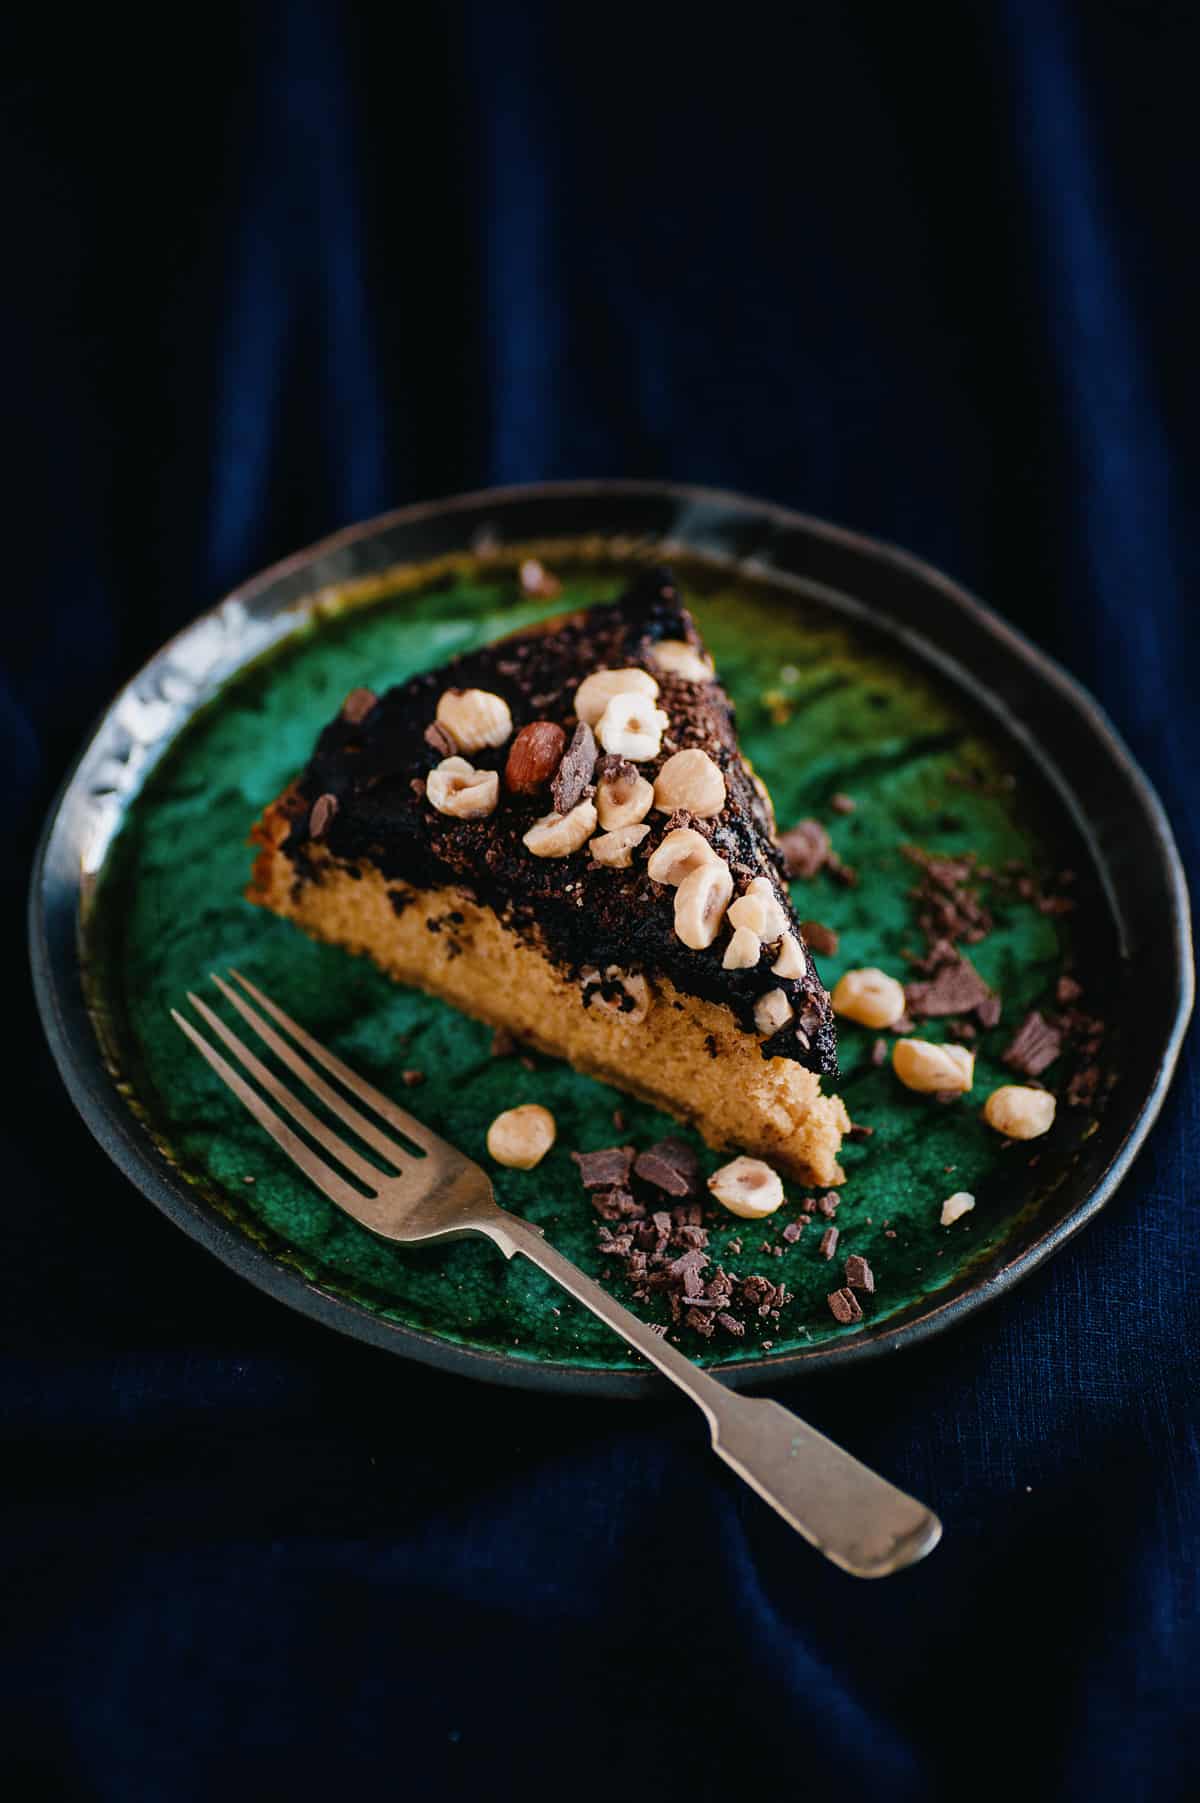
(558, 834)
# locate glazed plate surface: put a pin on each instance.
(855, 670)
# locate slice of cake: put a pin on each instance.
(558, 834)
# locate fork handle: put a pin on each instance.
(856, 1518)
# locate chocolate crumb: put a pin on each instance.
(859, 1275)
(843, 1306)
(437, 736)
(902, 1027)
(828, 1246)
(574, 773)
(530, 1064)
(792, 1232)
(730, 1324)
(827, 1204)
(879, 1052)
(821, 939)
(619, 1121)
(1035, 1045)
(946, 1096)
(1081, 1090)
(321, 819)
(858, 1131)
(503, 1043)
(962, 1031)
(1067, 991)
(842, 804)
(605, 1169)
(412, 1079)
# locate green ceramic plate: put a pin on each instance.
(853, 670)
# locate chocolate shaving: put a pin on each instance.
(1035, 1045)
(574, 773)
(957, 988)
(821, 939)
(827, 1204)
(859, 1275)
(358, 705)
(670, 1165)
(321, 819)
(605, 1169)
(843, 1306)
(792, 1232)
(828, 1246)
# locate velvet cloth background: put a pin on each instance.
(927, 272)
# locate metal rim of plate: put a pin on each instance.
(1030, 699)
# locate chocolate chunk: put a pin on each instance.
(1067, 991)
(842, 804)
(956, 989)
(575, 771)
(821, 939)
(859, 1274)
(792, 1232)
(730, 1324)
(988, 1012)
(437, 736)
(843, 1306)
(686, 1270)
(828, 1246)
(961, 1030)
(670, 1165)
(412, 1079)
(828, 1204)
(358, 705)
(321, 819)
(879, 1053)
(606, 1169)
(700, 1322)
(805, 849)
(617, 1205)
(1035, 1045)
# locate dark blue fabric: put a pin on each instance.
(928, 271)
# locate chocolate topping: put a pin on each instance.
(955, 989)
(843, 1306)
(578, 915)
(575, 772)
(599, 1170)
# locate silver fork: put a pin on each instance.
(857, 1519)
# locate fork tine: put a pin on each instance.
(325, 1179)
(338, 1105)
(383, 1105)
(324, 1136)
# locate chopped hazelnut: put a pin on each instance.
(870, 997)
(791, 961)
(700, 902)
(760, 910)
(747, 1187)
(690, 780)
(521, 1137)
(743, 951)
(558, 835)
(623, 797)
(682, 659)
(474, 718)
(681, 852)
(1019, 1112)
(772, 1011)
(933, 1069)
(616, 849)
(456, 787)
(632, 727)
(597, 690)
(632, 1007)
(955, 1206)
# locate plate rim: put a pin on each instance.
(93, 1090)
